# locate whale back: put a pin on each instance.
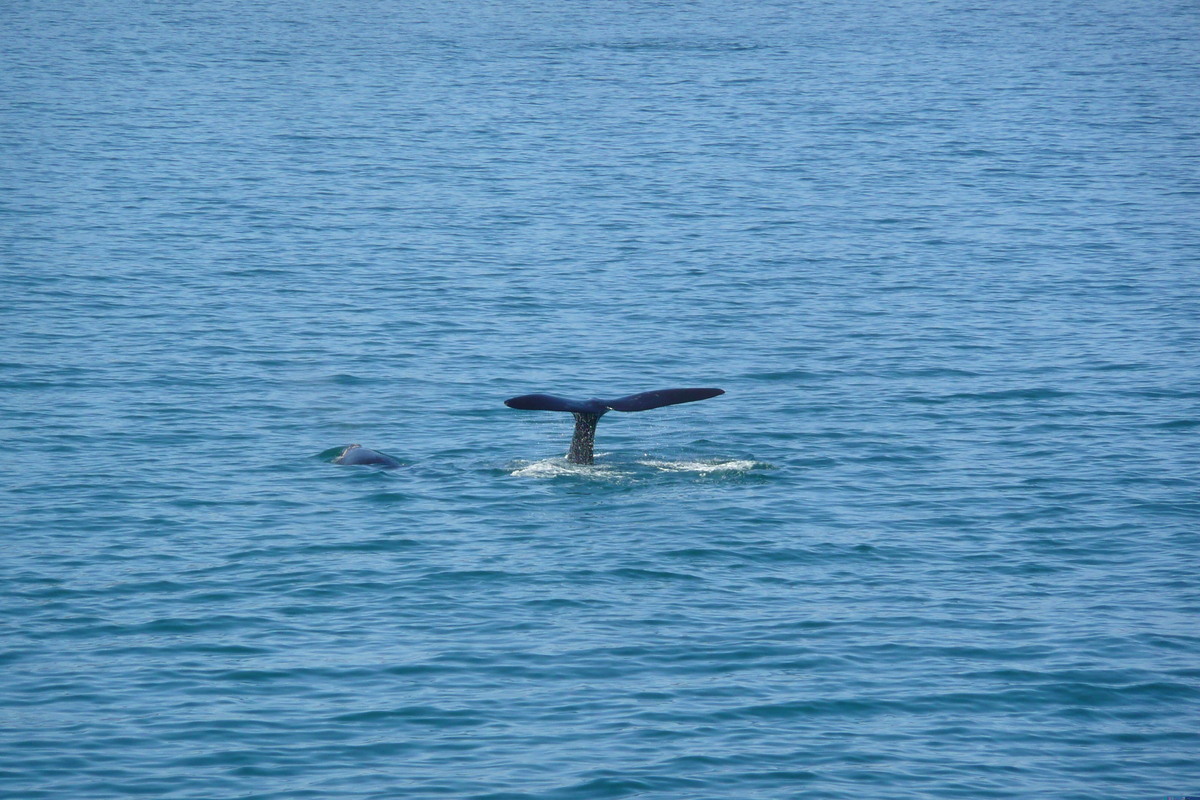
(357, 455)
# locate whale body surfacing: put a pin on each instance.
(357, 455)
(588, 412)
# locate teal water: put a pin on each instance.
(938, 540)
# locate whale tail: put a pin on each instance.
(588, 412)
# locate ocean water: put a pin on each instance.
(939, 539)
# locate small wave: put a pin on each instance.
(1034, 393)
(999, 396)
(786, 375)
(1177, 424)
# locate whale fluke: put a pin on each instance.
(357, 455)
(663, 397)
(549, 402)
(588, 412)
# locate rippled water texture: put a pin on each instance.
(937, 540)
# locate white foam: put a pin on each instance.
(557, 467)
(704, 467)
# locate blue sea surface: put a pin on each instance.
(939, 539)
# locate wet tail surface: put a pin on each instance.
(643, 401)
(663, 397)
